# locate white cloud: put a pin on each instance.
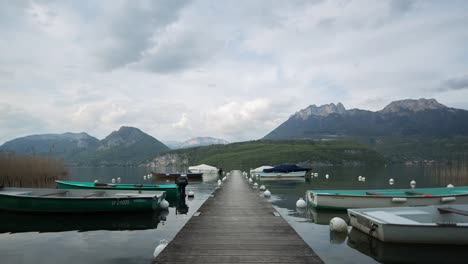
(229, 69)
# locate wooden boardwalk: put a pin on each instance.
(236, 225)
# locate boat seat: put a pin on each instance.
(391, 218)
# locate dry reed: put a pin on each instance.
(30, 171)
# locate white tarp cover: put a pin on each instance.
(260, 169)
(202, 168)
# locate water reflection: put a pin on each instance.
(182, 207)
(22, 222)
(323, 217)
(405, 253)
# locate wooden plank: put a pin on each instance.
(236, 225)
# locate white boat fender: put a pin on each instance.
(267, 193)
(255, 185)
(224, 178)
(338, 225)
(262, 187)
(250, 180)
(327, 176)
(96, 181)
(118, 179)
(160, 247)
(413, 184)
(450, 185)
(399, 200)
(316, 175)
(191, 194)
(144, 178)
(391, 181)
(363, 179)
(164, 204)
(300, 203)
(113, 180)
(448, 199)
(359, 178)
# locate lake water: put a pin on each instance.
(133, 238)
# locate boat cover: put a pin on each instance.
(286, 168)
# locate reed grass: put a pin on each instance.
(30, 171)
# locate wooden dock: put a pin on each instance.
(236, 225)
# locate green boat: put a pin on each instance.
(17, 222)
(170, 189)
(77, 201)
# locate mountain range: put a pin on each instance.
(195, 142)
(126, 146)
(422, 117)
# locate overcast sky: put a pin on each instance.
(228, 69)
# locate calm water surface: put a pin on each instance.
(133, 238)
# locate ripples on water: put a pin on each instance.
(133, 238)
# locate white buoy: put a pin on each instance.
(164, 204)
(160, 247)
(267, 193)
(338, 225)
(219, 183)
(144, 178)
(255, 185)
(316, 175)
(96, 181)
(191, 194)
(359, 178)
(250, 180)
(327, 176)
(450, 186)
(118, 179)
(224, 178)
(150, 176)
(300, 203)
(391, 181)
(363, 179)
(113, 180)
(262, 187)
(413, 184)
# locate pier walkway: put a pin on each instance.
(236, 225)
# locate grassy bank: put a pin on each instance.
(30, 171)
(251, 154)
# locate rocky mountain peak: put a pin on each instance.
(124, 136)
(323, 110)
(412, 105)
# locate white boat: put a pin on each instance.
(203, 168)
(345, 199)
(284, 171)
(420, 225)
(405, 253)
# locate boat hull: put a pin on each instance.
(175, 175)
(320, 200)
(295, 175)
(34, 200)
(170, 189)
(412, 225)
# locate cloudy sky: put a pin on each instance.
(230, 69)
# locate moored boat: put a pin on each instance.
(283, 171)
(436, 224)
(77, 201)
(172, 176)
(170, 189)
(345, 199)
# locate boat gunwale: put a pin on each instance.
(114, 186)
(147, 196)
